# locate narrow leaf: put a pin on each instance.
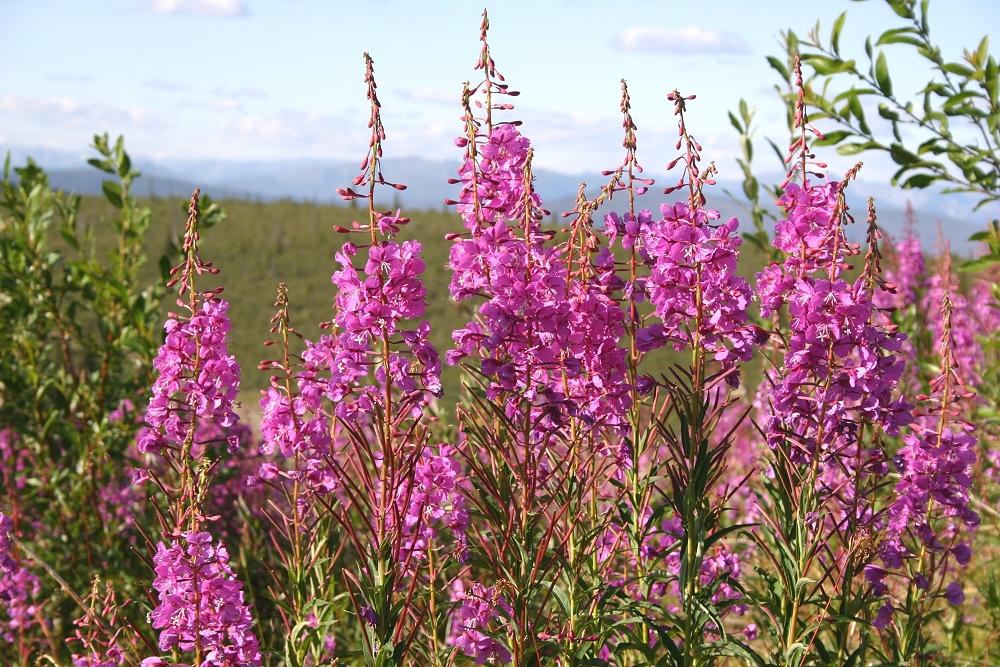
(882, 74)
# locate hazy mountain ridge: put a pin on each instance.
(427, 188)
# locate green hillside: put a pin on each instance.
(259, 245)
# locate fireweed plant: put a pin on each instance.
(580, 510)
(200, 610)
(349, 419)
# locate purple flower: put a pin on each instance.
(195, 364)
(954, 594)
(962, 553)
(201, 603)
(840, 369)
(693, 279)
(18, 587)
(542, 334)
(482, 611)
(884, 615)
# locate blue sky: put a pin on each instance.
(283, 79)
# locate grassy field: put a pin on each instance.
(260, 245)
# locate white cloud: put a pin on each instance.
(166, 86)
(690, 40)
(226, 104)
(431, 95)
(68, 78)
(80, 113)
(291, 132)
(249, 91)
(228, 8)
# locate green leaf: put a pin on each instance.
(735, 123)
(959, 98)
(899, 35)
(900, 155)
(854, 92)
(747, 147)
(919, 181)
(991, 82)
(885, 112)
(882, 74)
(983, 52)
(902, 8)
(831, 138)
(827, 66)
(859, 112)
(854, 149)
(979, 264)
(780, 67)
(838, 26)
(124, 165)
(103, 165)
(959, 69)
(113, 193)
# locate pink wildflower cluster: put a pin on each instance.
(297, 428)
(347, 367)
(14, 460)
(18, 587)
(919, 303)
(931, 514)
(431, 501)
(493, 192)
(692, 278)
(543, 335)
(934, 468)
(478, 621)
(114, 658)
(369, 308)
(839, 368)
(201, 604)
(661, 549)
(194, 362)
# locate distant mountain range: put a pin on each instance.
(427, 188)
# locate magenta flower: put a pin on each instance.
(482, 612)
(934, 468)
(18, 588)
(954, 594)
(884, 615)
(693, 278)
(543, 336)
(840, 369)
(201, 603)
(193, 362)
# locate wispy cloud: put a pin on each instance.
(80, 113)
(166, 86)
(226, 8)
(690, 40)
(225, 104)
(68, 78)
(290, 131)
(430, 95)
(248, 91)
(245, 92)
